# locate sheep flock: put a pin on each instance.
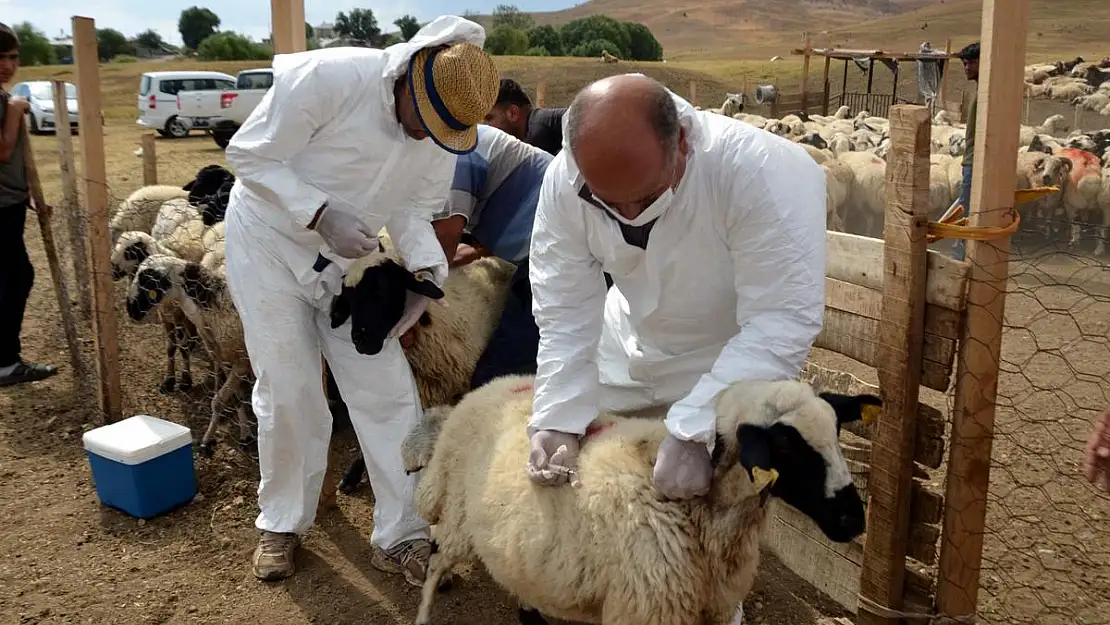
(853, 150)
(1081, 83)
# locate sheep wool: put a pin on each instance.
(608, 551)
(139, 210)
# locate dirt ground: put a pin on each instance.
(70, 560)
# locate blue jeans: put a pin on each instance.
(512, 347)
(959, 246)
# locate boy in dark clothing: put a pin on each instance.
(513, 113)
(16, 273)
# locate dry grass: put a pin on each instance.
(735, 29)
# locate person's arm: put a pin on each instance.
(14, 107)
(301, 101)
(568, 301)
(776, 234)
(410, 227)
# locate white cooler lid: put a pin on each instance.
(137, 439)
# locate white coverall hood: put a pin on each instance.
(327, 130)
(729, 286)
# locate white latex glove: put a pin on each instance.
(415, 305)
(683, 469)
(345, 234)
(554, 458)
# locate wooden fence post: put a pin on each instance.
(541, 95)
(901, 346)
(150, 160)
(287, 26)
(96, 196)
(992, 200)
(805, 70)
(75, 217)
(61, 292)
(693, 93)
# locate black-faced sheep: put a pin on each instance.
(205, 300)
(449, 339)
(609, 551)
(210, 191)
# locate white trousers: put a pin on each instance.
(286, 326)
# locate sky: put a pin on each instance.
(250, 17)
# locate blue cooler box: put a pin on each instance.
(142, 465)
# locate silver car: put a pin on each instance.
(40, 93)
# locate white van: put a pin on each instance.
(158, 101)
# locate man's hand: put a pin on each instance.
(1096, 464)
(19, 104)
(554, 458)
(345, 233)
(45, 210)
(683, 469)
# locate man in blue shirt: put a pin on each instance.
(489, 211)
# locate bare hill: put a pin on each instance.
(716, 29)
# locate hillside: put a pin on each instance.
(759, 29)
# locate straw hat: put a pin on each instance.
(454, 88)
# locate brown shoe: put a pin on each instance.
(273, 558)
(410, 557)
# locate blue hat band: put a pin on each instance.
(433, 95)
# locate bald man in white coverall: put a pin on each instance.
(714, 233)
(336, 150)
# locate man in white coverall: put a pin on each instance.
(714, 233)
(334, 152)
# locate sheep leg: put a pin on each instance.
(185, 346)
(353, 476)
(169, 380)
(220, 403)
(438, 565)
(530, 616)
(1104, 233)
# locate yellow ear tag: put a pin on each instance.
(764, 478)
(152, 294)
(870, 413)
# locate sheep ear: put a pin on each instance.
(197, 284)
(755, 448)
(418, 283)
(189, 185)
(340, 308)
(851, 408)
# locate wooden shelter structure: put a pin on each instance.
(876, 103)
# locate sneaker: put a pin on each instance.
(410, 557)
(273, 558)
(27, 372)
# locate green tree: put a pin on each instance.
(196, 25)
(34, 47)
(358, 24)
(230, 46)
(309, 31)
(548, 38)
(510, 15)
(593, 28)
(111, 43)
(506, 40)
(408, 26)
(643, 46)
(537, 51)
(594, 48)
(149, 39)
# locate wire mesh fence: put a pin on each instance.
(1046, 555)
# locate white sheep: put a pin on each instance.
(867, 193)
(838, 182)
(733, 105)
(608, 550)
(1093, 102)
(206, 301)
(139, 211)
